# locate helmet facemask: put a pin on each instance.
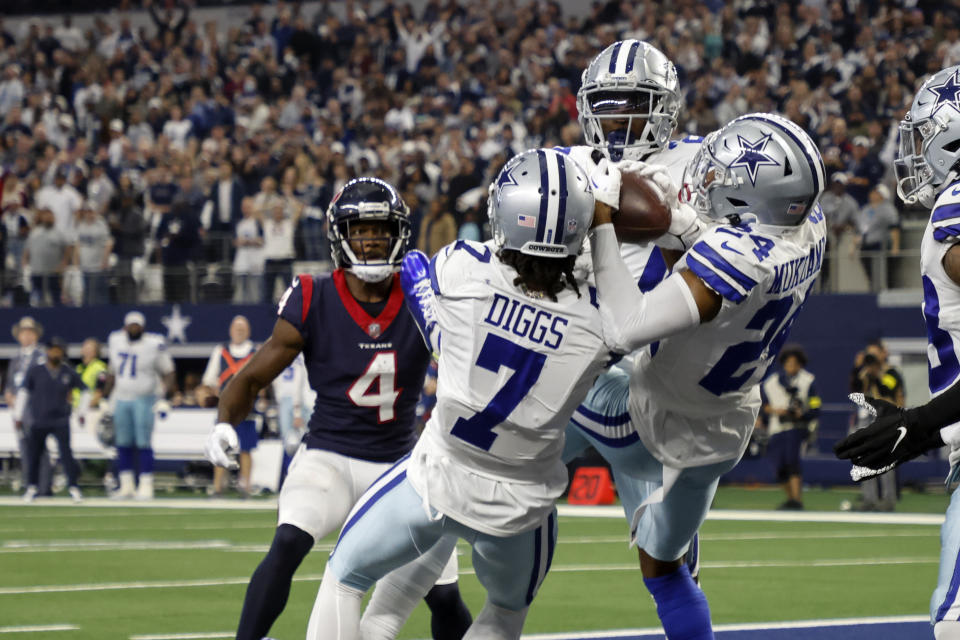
(915, 177)
(703, 174)
(372, 258)
(640, 118)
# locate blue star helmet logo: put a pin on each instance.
(752, 156)
(506, 178)
(947, 93)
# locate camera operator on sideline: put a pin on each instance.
(791, 407)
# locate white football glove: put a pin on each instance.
(606, 183)
(222, 446)
(685, 225)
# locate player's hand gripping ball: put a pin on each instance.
(644, 213)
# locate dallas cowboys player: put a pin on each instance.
(629, 102)
(520, 340)
(682, 415)
(365, 359)
(138, 360)
(928, 172)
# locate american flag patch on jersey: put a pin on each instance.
(527, 221)
(796, 208)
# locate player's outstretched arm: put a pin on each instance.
(632, 318)
(420, 297)
(897, 435)
(241, 392)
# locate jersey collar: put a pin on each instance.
(373, 327)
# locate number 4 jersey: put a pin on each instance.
(694, 397)
(512, 369)
(367, 369)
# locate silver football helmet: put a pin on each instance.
(633, 87)
(541, 204)
(760, 164)
(930, 139)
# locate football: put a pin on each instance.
(642, 215)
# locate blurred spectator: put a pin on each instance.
(437, 229)
(47, 253)
(61, 198)
(878, 225)
(278, 232)
(224, 362)
(841, 211)
(791, 407)
(178, 241)
(129, 228)
(27, 332)
(865, 170)
(92, 254)
(46, 396)
(222, 212)
(248, 262)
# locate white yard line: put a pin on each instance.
(39, 628)
(573, 568)
(186, 636)
(613, 511)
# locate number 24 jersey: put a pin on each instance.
(694, 397)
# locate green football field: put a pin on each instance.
(179, 568)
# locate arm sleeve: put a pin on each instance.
(631, 318)
(940, 414)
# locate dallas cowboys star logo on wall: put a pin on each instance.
(752, 156)
(947, 93)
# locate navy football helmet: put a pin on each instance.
(368, 200)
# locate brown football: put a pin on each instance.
(642, 215)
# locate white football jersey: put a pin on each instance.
(137, 365)
(694, 397)
(941, 295)
(512, 369)
(646, 266)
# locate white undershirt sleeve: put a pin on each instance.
(632, 319)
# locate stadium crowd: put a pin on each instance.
(213, 152)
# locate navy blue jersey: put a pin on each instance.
(367, 372)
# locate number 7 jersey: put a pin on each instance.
(512, 369)
(694, 397)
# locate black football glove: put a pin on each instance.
(894, 437)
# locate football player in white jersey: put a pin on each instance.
(628, 102)
(928, 172)
(138, 363)
(520, 340)
(681, 416)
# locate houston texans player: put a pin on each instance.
(366, 360)
(928, 172)
(520, 340)
(681, 415)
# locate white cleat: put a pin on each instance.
(30, 494)
(127, 489)
(145, 490)
(75, 495)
